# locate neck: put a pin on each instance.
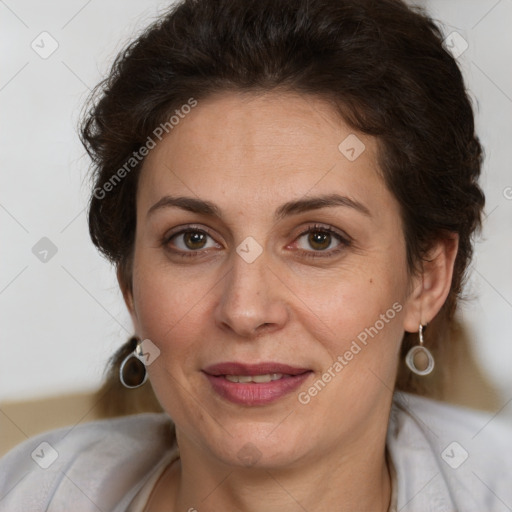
(343, 480)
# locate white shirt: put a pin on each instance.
(446, 459)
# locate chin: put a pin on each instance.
(257, 447)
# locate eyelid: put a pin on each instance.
(325, 227)
(200, 227)
(187, 227)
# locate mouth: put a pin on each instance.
(255, 384)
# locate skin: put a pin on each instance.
(249, 154)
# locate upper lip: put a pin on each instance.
(234, 368)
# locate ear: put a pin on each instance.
(126, 290)
(432, 286)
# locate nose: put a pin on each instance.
(253, 300)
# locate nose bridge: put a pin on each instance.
(250, 297)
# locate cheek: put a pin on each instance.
(359, 313)
(167, 302)
(169, 312)
(360, 350)
(359, 293)
(361, 316)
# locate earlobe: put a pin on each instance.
(432, 287)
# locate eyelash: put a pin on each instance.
(344, 240)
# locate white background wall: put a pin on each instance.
(62, 319)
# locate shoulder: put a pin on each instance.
(445, 417)
(463, 457)
(92, 463)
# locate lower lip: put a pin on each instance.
(254, 393)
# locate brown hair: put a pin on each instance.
(380, 63)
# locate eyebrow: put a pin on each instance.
(208, 208)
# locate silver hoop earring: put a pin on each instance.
(132, 372)
(420, 354)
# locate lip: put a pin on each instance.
(232, 368)
(253, 393)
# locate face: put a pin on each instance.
(286, 262)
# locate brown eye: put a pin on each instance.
(194, 239)
(190, 242)
(319, 240)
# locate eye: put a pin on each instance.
(192, 241)
(321, 239)
(189, 241)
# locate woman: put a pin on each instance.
(288, 191)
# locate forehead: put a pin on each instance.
(250, 149)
